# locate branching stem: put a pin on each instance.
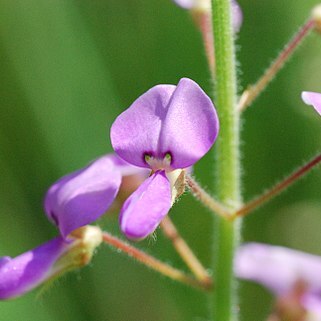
(185, 251)
(204, 197)
(255, 90)
(278, 188)
(153, 263)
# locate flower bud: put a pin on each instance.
(316, 17)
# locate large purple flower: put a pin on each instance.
(284, 272)
(167, 129)
(81, 197)
(314, 99)
(30, 269)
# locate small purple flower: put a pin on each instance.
(167, 129)
(81, 197)
(205, 6)
(48, 261)
(282, 270)
(314, 99)
(73, 201)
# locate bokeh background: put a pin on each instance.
(69, 67)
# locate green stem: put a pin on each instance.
(224, 299)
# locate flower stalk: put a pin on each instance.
(224, 298)
(205, 198)
(255, 90)
(154, 263)
(203, 21)
(185, 251)
(278, 188)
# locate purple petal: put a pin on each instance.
(313, 99)
(237, 16)
(190, 127)
(48, 261)
(180, 120)
(136, 131)
(146, 207)
(28, 270)
(312, 304)
(82, 197)
(278, 268)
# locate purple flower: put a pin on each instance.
(48, 261)
(283, 271)
(83, 196)
(205, 6)
(73, 201)
(167, 129)
(314, 99)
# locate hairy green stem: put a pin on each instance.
(224, 300)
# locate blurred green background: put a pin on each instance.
(69, 67)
